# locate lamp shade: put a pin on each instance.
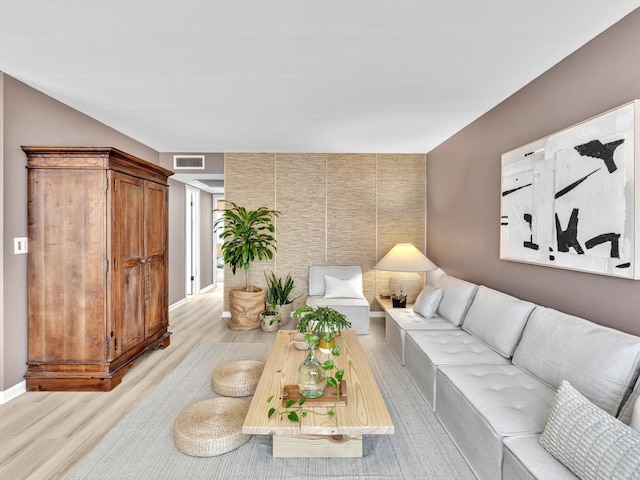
(405, 257)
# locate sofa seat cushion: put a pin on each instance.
(315, 301)
(524, 458)
(509, 399)
(426, 351)
(457, 295)
(600, 362)
(479, 405)
(497, 319)
(455, 347)
(407, 319)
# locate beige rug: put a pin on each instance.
(141, 445)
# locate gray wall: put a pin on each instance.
(463, 180)
(177, 267)
(32, 118)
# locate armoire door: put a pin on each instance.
(128, 300)
(156, 243)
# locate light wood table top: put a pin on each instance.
(364, 413)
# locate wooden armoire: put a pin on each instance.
(97, 265)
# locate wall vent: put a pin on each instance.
(188, 162)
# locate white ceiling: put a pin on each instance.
(302, 75)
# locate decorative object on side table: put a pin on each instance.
(405, 261)
(278, 292)
(248, 236)
(399, 300)
(269, 320)
(325, 322)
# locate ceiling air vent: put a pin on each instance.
(188, 162)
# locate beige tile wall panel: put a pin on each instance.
(301, 199)
(401, 213)
(336, 209)
(351, 214)
(250, 182)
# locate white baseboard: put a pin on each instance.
(376, 314)
(13, 392)
(207, 288)
(179, 303)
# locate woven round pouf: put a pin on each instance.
(237, 379)
(211, 427)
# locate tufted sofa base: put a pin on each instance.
(481, 404)
(445, 347)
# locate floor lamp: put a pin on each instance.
(405, 261)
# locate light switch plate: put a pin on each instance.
(20, 245)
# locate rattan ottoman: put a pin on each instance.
(211, 427)
(237, 379)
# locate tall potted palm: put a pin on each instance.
(247, 236)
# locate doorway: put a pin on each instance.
(192, 244)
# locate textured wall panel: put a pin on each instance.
(351, 214)
(249, 180)
(301, 199)
(335, 209)
(401, 216)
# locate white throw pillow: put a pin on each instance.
(588, 441)
(428, 301)
(340, 288)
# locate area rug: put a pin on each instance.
(141, 445)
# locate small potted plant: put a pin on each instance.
(269, 320)
(399, 300)
(278, 292)
(325, 322)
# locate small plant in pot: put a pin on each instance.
(269, 320)
(247, 236)
(325, 322)
(399, 300)
(278, 292)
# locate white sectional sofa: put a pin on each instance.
(489, 366)
(340, 287)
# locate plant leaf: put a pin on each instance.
(335, 351)
(293, 416)
(270, 398)
(302, 400)
(339, 375)
(328, 365)
(331, 413)
(271, 412)
(288, 403)
(331, 382)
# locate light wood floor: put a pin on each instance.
(44, 434)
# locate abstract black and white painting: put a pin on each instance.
(568, 200)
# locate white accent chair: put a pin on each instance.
(353, 305)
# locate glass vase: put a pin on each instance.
(311, 378)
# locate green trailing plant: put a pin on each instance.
(294, 410)
(278, 291)
(247, 236)
(323, 321)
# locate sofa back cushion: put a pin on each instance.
(457, 295)
(602, 363)
(497, 319)
(316, 276)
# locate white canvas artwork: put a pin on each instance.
(568, 200)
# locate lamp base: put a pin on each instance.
(409, 283)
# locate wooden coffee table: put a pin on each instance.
(318, 435)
